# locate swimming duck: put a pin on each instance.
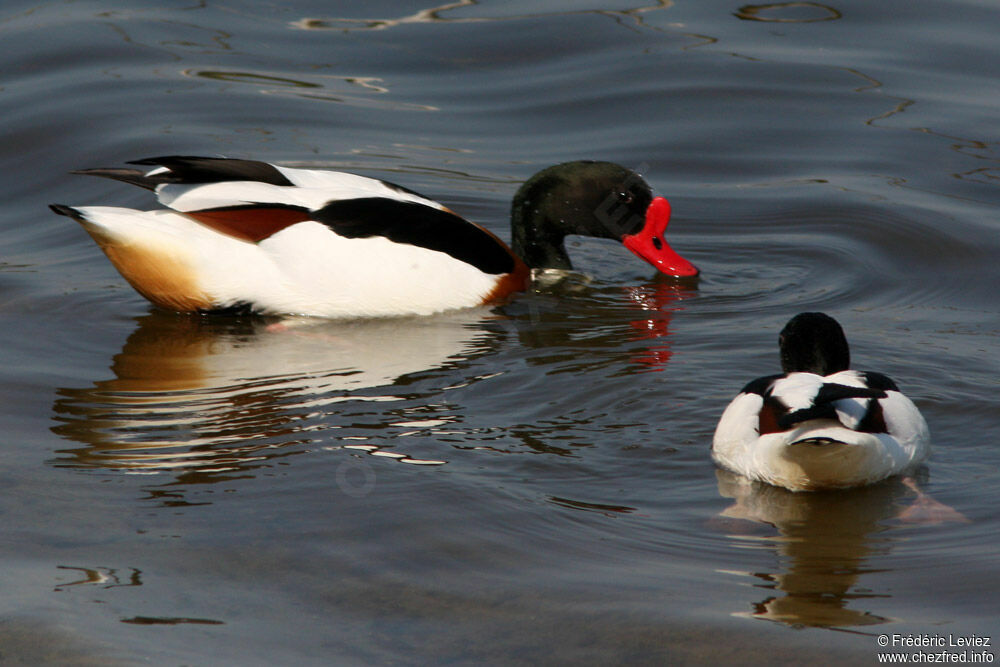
(243, 235)
(820, 425)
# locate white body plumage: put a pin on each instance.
(179, 263)
(820, 425)
(820, 453)
(279, 240)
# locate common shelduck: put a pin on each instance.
(820, 425)
(248, 235)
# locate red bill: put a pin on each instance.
(649, 244)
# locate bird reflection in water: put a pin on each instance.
(826, 542)
(659, 301)
(216, 398)
(574, 313)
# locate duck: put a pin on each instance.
(238, 235)
(820, 425)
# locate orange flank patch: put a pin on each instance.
(252, 223)
(160, 276)
(515, 281)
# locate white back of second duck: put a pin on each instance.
(820, 425)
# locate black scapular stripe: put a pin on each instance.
(823, 403)
(419, 225)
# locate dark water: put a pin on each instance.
(523, 485)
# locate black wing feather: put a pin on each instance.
(760, 385)
(879, 381)
(419, 225)
(191, 170)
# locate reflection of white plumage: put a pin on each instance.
(220, 394)
(820, 425)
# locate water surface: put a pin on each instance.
(525, 484)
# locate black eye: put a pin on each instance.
(625, 197)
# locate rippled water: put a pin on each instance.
(527, 484)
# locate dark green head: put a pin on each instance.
(587, 198)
